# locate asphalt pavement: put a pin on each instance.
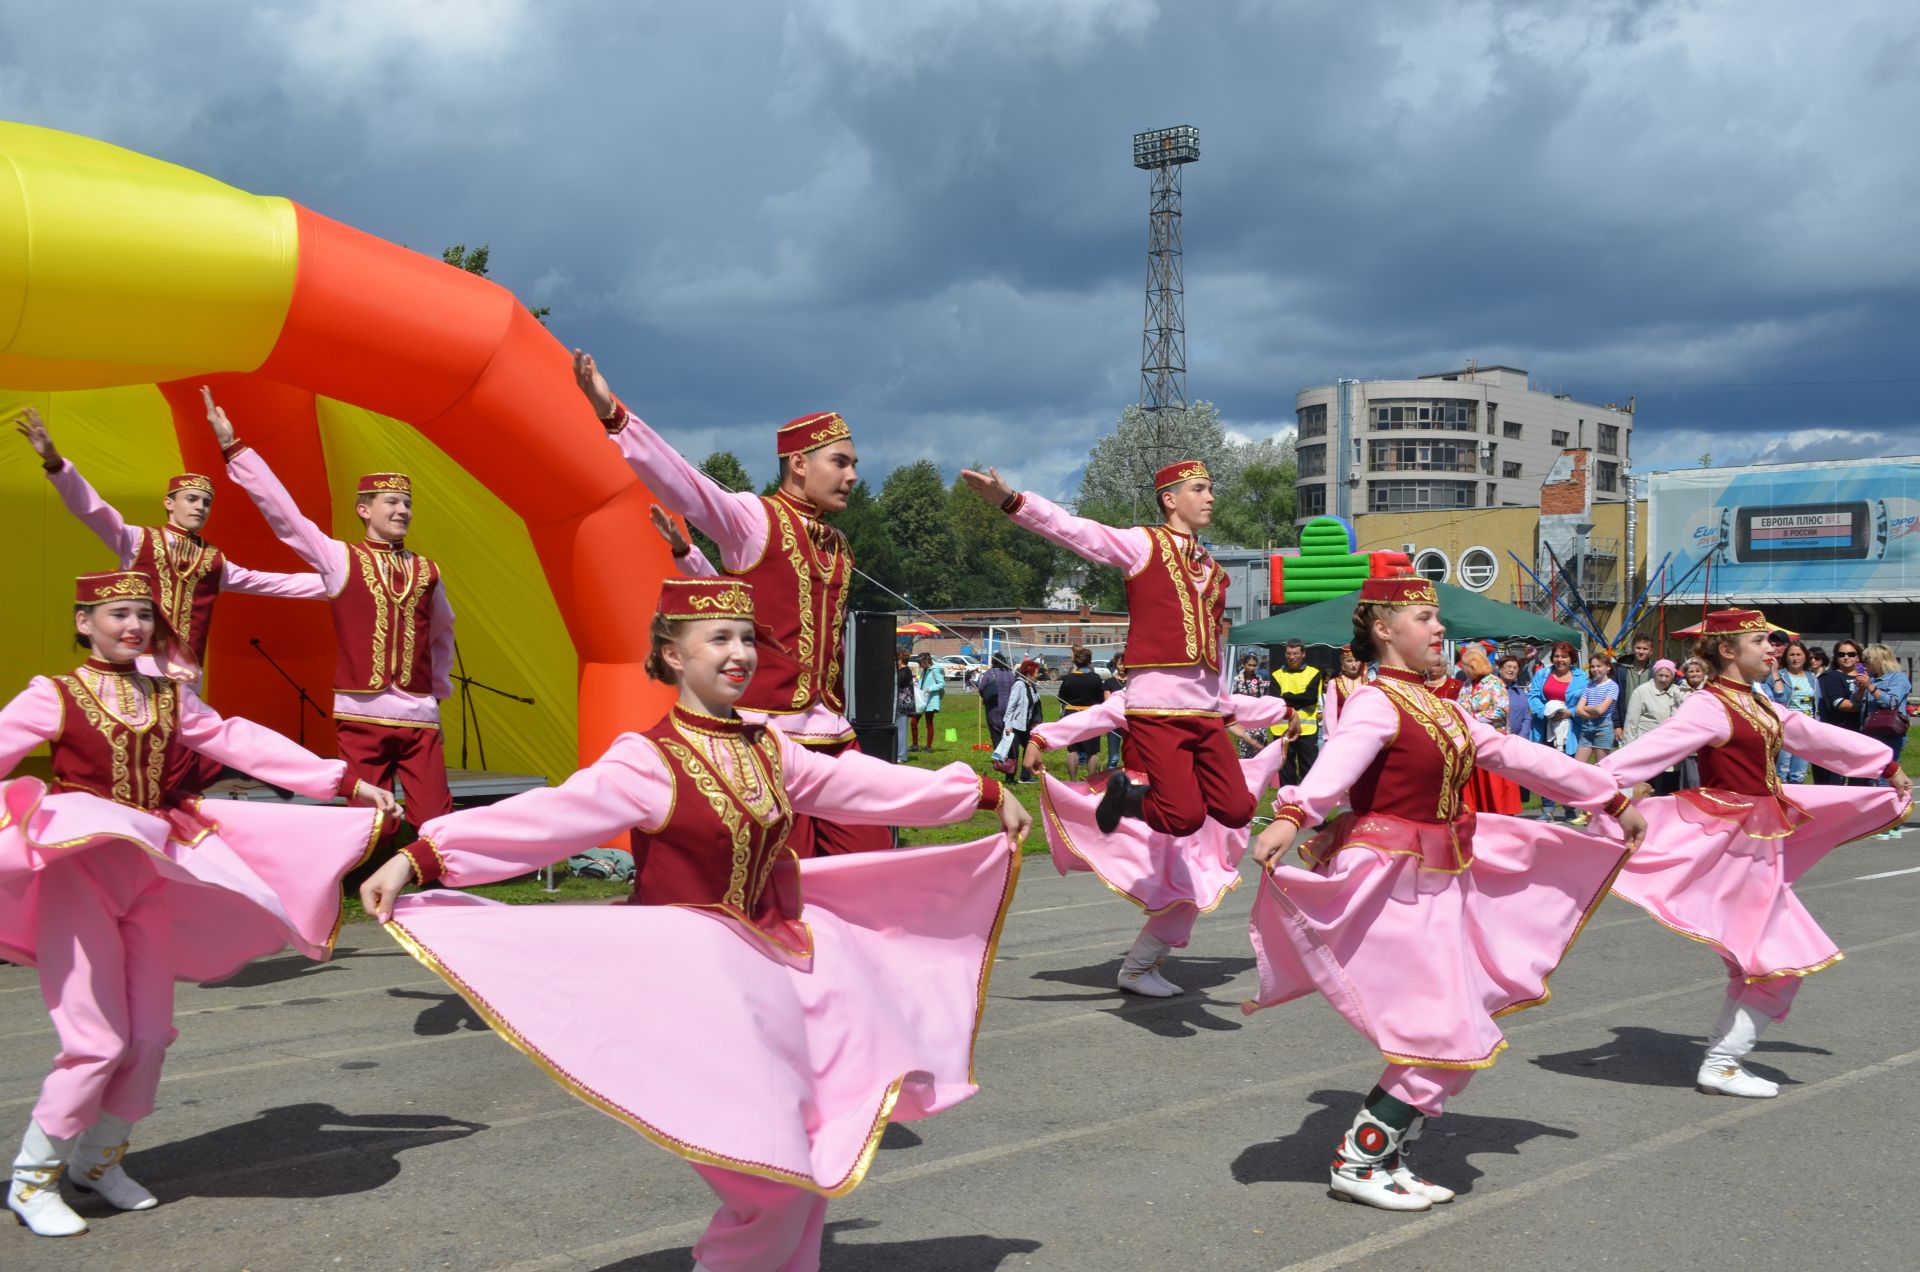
(356, 1115)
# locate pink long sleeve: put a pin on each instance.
(735, 520)
(1091, 540)
(292, 587)
(862, 791)
(693, 564)
(1842, 751)
(1700, 722)
(1546, 769)
(1078, 726)
(1257, 713)
(442, 627)
(94, 512)
(255, 749)
(32, 718)
(626, 787)
(1367, 724)
(291, 526)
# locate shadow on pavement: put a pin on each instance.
(448, 1013)
(1442, 1154)
(898, 1136)
(274, 971)
(979, 1253)
(1192, 1013)
(1652, 1057)
(297, 1150)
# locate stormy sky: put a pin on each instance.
(921, 213)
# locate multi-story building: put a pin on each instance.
(1480, 437)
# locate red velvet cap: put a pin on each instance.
(1185, 470)
(689, 600)
(189, 481)
(1401, 589)
(810, 433)
(382, 483)
(112, 585)
(1734, 622)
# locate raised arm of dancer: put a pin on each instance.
(734, 519)
(82, 501)
(859, 790)
(1843, 751)
(1088, 539)
(30, 719)
(291, 526)
(1552, 772)
(1367, 724)
(1079, 726)
(687, 556)
(257, 750)
(1698, 723)
(292, 587)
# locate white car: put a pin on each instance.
(957, 667)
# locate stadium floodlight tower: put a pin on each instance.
(1163, 343)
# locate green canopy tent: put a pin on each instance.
(1468, 615)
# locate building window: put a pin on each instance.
(1511, 429)
(1431, 564)
(1493, 495)
(1312, 501)
(1412, 496)
(1560, 437)
(1313, 460)
(1444, 457)
(1448, 413)
(1510, 470)
(1478, 569)
(1606, 477)
(1609, 439)
(1313, 421)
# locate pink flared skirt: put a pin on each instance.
(1156, 872)
(1726, 880)
(1422, 961)
(721, 1046)
(242, 880)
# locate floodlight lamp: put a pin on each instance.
(1164, 147)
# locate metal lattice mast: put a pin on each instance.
(1163, 340)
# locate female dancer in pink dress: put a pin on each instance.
(1719, 862)
(115, 891)
(809, 1003)
(1418, 919)
(1175, 879)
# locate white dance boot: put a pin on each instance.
(34, 1197)
(1362, 1167)
(1140, 970)
(96, 1165)
(1402, 1170)
(1734, 1035)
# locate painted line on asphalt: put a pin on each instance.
(1887, 874)
(1051, 909)
(1467, 1212)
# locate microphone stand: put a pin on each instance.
(305, 701)
(470, 710)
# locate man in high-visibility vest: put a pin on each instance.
(1300, 690)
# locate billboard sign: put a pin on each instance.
(1793, 532)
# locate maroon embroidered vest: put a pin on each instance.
(101, 755)
(800, 605)
(1420, 774)
(1176, 601)
(726, 830)
(187, 571)
(383, 621)
(1746, 763)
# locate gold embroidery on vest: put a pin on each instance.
(178, 570)
(727, 810)
(371, 579)
(808, 556)
(1747, 707)
(1444, 727)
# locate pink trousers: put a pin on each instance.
(1425, 1088)
(761, 1226)
(106, 972)
(1173, 926)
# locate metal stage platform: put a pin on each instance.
(469, 786)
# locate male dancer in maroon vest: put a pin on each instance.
(799, 566)
(188, 572)
(1176, 600)
(391, 620)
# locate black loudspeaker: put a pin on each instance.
(881, 741)
(869, 670)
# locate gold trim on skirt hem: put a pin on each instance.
(1053, 819)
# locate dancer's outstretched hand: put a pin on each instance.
(1034, 762)
(383, 885)
(587, 375)
(34, 429)
(987, 485)
(222, 426)
(1014, 817)
(1634, 825)
(669, 529)
(370, 796)
(1273, 843)
(1902, 783)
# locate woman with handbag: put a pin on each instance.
(1883, 696)
(1719, 863)
(905, 702)
(932, 686)
(1023, 712)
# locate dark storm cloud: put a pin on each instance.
(923, 215)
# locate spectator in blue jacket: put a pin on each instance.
(1556, 690)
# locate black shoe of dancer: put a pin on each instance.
(1123, 797)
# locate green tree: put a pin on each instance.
(994, 561)
(865, 524)
(726, 469)
(1257, 510)
(475, 262)
(1120, 469)
(914, 501)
